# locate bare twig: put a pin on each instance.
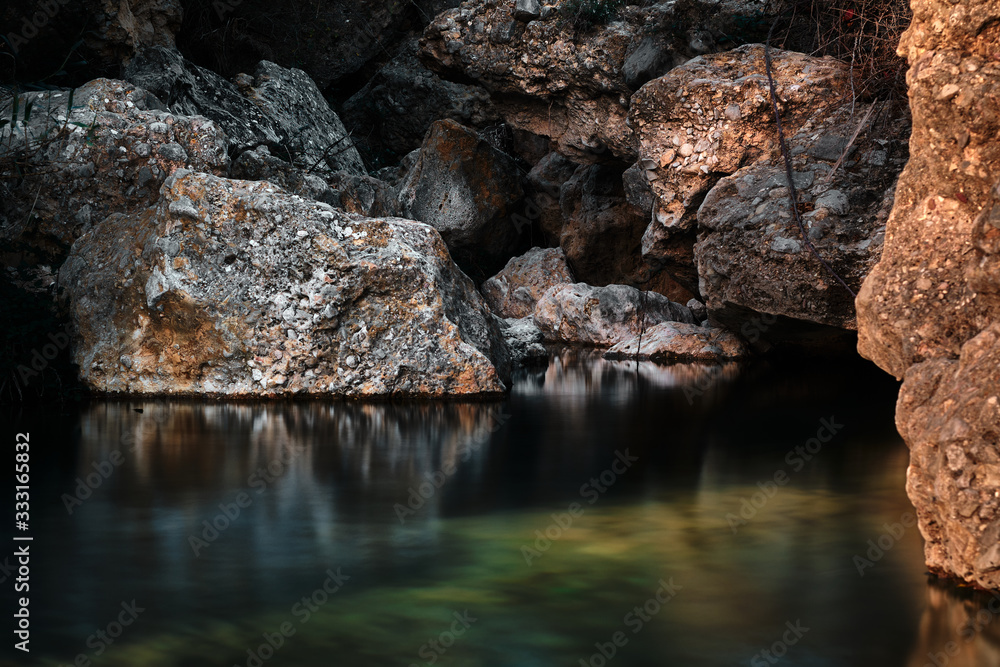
(792, 195)
(850, 143)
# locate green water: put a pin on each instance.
(343, 496)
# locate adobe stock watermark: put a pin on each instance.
(434, 648)
(301, 611)
(753, 328)
(47, 10)
(231, 511)
(635, 621)
(796, 458)
(779, 648)
(591, 491)
(101, 640)
(424, 491)
(87, 484)
(878, 547)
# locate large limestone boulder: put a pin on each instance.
(928, 312)
(109, 153)
(513, 292)
(711, 116)
(276, 107)
(751, 255)
(603, 316)
(467, 190)
(235, 288)
(391, 113)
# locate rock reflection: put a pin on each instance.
(177, 448)
(584, 372)
(959, 628)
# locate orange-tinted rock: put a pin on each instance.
(235, 288)
(929, 310)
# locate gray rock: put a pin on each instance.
(300, 113)
(650, 58)
(283, 109)
(524, 339)
(259, 165)
(110, 154)
(697, 309)
(835, 201)
(356, 306)
(514, 291)
(781, 244)
(678, 341)
(603, 316)
(466, 190)
(527, 10)
(828, 147)
(741, 281)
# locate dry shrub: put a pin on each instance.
(863, 33)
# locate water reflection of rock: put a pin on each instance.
(959, 628)
(185, 447)
(584, 373)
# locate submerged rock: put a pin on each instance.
(603, 316)
(678, 341)
(466, 189)
(234, 288)
(514, 291)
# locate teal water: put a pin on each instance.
(655, 554)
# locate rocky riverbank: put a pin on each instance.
(510, 176)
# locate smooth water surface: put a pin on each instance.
(543, 522)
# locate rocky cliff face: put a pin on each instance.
(929, 312)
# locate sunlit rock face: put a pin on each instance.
(929, 311)
(708, 148)
(236, 288)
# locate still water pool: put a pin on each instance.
(603, 513)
